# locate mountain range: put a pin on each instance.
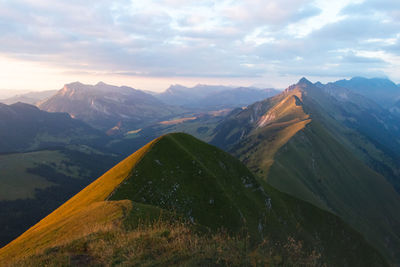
(213, 97)
(317, 147)
(117, 110)
(381, 90)
(177, 178)
(313, 176)
(105, 106)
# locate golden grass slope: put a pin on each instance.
(74, 213)
(274, 129)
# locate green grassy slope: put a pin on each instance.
(313, 149)
(13, 169)
(178, 174)
(370, 132)
(314, 167)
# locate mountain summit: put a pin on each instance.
(324, 145)
(106, 106)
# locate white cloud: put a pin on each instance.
(252, 39)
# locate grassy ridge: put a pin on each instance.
(186, 180)
(99, 190)
(296, 142)
(202, 182)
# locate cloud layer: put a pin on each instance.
(207, 39)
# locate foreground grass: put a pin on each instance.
(171, 244)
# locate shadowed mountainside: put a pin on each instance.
(311, 143)
(24, 127)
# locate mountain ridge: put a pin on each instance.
(106, 106)
(25, 127)
(382, 90)
(294, 173)
(213, 96)
(113, 200)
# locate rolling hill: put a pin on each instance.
(319, 143)
(185, 191)
(24, 127)
(109, 107)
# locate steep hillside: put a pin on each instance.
(25, 127)
(381, 90)
(106, 107)
(312, 146)
(185, 179)
(209, 97)
(277, 119)
(314, 167)
(369, 131)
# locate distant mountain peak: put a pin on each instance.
(103, 105)
(301, 85)
(304, 81)
(381, 90)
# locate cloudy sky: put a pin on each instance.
(151, 44)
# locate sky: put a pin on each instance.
(151, 44)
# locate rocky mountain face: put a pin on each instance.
(108, 107)
(214, 97)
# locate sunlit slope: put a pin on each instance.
(178, 174)
(44, 233)
(272, 131)
(205, 184)
(256, 133)
(294, 142)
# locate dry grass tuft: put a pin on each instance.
(170, 244)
